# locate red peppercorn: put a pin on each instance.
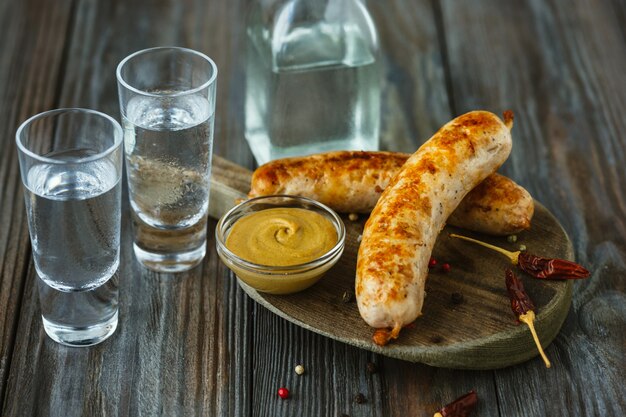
(283, 393)
(446, 267)
(432, 263)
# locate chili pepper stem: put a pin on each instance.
(529, 319)
(513, 256)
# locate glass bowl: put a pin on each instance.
(278, 279)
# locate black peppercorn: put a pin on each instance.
(359, 398)
(456, 298)
(372, 368)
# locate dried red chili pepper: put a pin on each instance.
(461, 407)
(520, 301)
(523, 308)
(538, 267)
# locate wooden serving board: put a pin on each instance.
(480, 332)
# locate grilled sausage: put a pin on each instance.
(352, 182)
(497, 206)
(346, 181)
(399, 235)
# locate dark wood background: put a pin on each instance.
(195, 344)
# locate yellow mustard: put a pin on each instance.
(281, 236)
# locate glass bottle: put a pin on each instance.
(312, 78)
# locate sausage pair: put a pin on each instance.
(451, 178)
(352, 182)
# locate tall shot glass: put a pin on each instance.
(167, 102)
(71, 167)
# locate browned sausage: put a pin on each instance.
(400, 233)
(352, 181)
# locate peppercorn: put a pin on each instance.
(283, 393)
(512, 238)
(372, 368)
(299, 369)
(359, 398)
(456, 298)
(446, 267)
(353, 217)
(432, 262)
(522, 247)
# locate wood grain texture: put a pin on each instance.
(228, 182)
(415, 103)
(30, 53)
(198, 345)
(182, 343)
(561, 75)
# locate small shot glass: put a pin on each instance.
(71, 167)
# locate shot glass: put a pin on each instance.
(71, 166)
(167, 102)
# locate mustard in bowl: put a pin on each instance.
(280, 244)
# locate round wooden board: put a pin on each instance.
(481, 332)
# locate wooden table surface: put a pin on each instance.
(195, 344)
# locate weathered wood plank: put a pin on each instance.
(230, 184)
(195, 345)
(181, 346)
(415, 101)
(27, 86)
(559, 67)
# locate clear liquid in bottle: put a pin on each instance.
(313, 87)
